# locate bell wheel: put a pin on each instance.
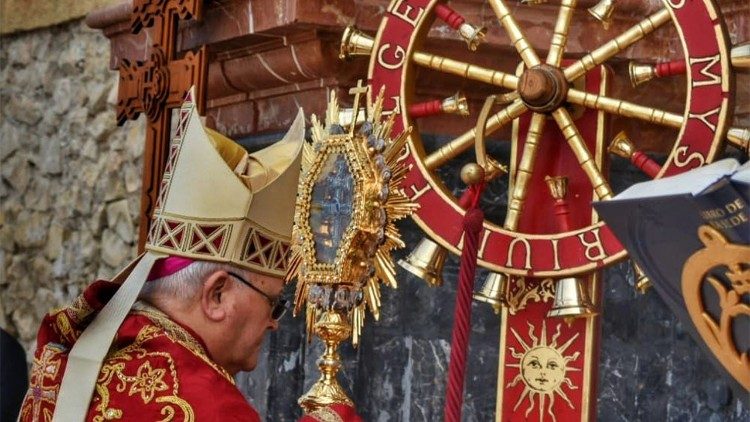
(545, 91)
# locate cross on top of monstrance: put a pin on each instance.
(158, 84)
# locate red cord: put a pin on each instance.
(473, 220)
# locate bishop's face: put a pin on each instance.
(543, 368)
(251, 319)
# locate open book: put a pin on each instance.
(694, 181)
(658, 223)
(717, 194)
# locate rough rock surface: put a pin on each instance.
(70, 177)
(23, 15)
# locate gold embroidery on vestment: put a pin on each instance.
(179, 335)
(44, 368)
(148, 382)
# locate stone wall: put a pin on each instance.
(70, 177)
(24, 15)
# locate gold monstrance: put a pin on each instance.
(348, 200)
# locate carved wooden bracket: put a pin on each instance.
(158, 84)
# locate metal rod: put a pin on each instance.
(466, 140)
(616, 45)
(584, 157)
(525, 169)
(560, 35)
(519, 41)
(465, 70)
(624, 108)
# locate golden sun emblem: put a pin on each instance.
(542, 368)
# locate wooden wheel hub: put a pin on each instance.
(543, 88)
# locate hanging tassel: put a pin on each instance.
(472, 223)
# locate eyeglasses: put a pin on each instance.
(278, 305)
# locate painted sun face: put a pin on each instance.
(543, 368)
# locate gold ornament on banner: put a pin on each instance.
(522, 291)
(348, 201)
(543, 369)
(725, 267)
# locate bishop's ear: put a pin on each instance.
(214, 298)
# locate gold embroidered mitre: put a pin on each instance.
(219, 203)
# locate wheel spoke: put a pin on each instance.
(581, 151)
(465, 70)
(625, 108)
(523, 173)
(560, 36)
(519, 41)
(466, 140)
(616, 45)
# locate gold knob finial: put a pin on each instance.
(472, 173)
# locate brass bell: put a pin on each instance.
(621, 146)
(355, 43)
(640, 73)
(642, 283)
(602, 11)
(740, 138)
(571, 300)
(426, 261)
(740, 57)
(558, 186)
(493, 291)
(456, 104)
(473, 35)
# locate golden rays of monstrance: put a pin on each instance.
(543, 368)
(349, 200)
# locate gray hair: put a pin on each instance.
(184, 284)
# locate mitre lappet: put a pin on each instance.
(216, 203)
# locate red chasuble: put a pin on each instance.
(156, 369)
